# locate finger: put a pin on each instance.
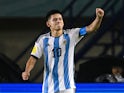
(99, 12)
(25, 78)
(98, 9)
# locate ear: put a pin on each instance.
(47, 23)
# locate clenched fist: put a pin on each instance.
(99, 12)
(25, 75)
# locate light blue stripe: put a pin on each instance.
(45, 46)
(82, 31)
(55, 68)
(65, 63)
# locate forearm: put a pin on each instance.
(30, 64)
(97, 22)
(94, 25)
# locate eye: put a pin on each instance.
(55, 19)
(60, 19)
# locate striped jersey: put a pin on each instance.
(59, 58)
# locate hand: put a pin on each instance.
(99, 12)
(25, 75)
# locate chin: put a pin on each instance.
(58, 29)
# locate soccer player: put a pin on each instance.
(57, 46)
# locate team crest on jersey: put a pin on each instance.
(64, 42)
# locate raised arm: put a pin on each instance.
(97, 22)
(29, 66)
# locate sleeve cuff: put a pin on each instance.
(82, 31)
(35, 57)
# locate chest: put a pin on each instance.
(57, 42)
(57, 46)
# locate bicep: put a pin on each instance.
(37, 50)
(88, 29)
(77, 34)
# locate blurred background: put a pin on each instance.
(21, 22)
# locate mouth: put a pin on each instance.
(58, 25)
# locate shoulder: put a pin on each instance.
(41, 37)
(71, 30)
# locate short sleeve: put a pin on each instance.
(77, 34)
(37, 49)
(82, 31)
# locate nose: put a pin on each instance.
(58, 20)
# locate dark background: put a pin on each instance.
(21, 22)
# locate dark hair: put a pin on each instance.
(117, 66)
(51, 13)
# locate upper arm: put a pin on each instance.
(89, 28)
(77, 34)
(37, 49)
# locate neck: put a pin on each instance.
(56, 33)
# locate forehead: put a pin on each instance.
(57, 15)
(117, 68)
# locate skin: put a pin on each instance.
(56, 24)
(117, 70)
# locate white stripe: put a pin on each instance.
(60, 64)
(50, 84)
(71, 63)
(51, 64)
(44, 79)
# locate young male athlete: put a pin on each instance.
(57, 46)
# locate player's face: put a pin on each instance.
(117, 70)
(55, 22)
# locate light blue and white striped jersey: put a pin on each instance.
(59, 59)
